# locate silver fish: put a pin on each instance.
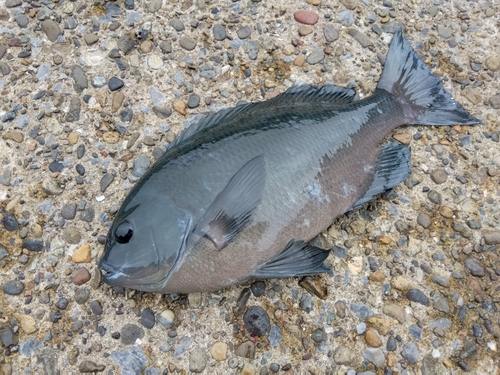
(237, 196)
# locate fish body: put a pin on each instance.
(238, 195)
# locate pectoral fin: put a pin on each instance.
(232, 208)
(298, 258)
(393, 166)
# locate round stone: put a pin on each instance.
(115, 83)
(9, 222)
(147, 318)
(81, 276)
(219, 351)
(193, 101)
(256, 320)
(155, 62)
(305, 17)
(13, 287)
(258, 288)
(130, 333)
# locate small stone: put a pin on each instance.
(331, 35)
(256, 321)
(80, 78)
(115, 83)
(126, 44)
(166, 318)
(179, 106)
(155, 62)
(74, 110)
(141, 164)
(361, 38)
(117, 101)
(305, 30)
(361, 310)
(377, 276)
(13, 287)
(62, 303)
(375, 356)
(492, 237)
(219, 351)
(90, 38)
(9, 222)
(22, 21)
(442, 305)
(219, 32)
(252, 49)
(73, 138)
(197, 360)
(15, 136)
(411, 353)
(439, 176)
(130, 333)
(33, 245)
(299, 60)
(147, 318)
(131, 361)
(305, 17)
(343, 355)
(106, 180)
(81, 276)
(313, 286)
(82, 254)
(306, 303)
(315, 57)
(319, 335)
(177, 24)
(246, 350)
(424, 220)
(391, 344)
(493, 63)
(28, 324)
(416, 295)
(444, 32)
(193, 101)
(12, 3)
(275, 336)
(90, 367)
(111, 137)
(51, 29)
(474, 266)
(187, 43)
(372, 338)
(8, 337)
(472, 95)
(82, 296)
(395, 311)
(441, 280)
(244, 32)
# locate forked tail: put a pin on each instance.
(420, 93)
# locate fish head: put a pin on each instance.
(145, 243)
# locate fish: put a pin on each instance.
(240, 195)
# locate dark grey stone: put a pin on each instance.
(256, 320)
(130, 333)
(416, 295)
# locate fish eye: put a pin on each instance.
(124, 232)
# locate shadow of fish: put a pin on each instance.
(238, 195)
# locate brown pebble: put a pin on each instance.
(81, 276)
(82, 254)
(146, 46)
(372, 338)
(179, 106)
(446, 212)
(403, 138)
(314, 286)
(73, 138)
(299, 60)
(117, 101)
(305, 17)
(377, 276)
(111, 137)
(349, 4)
(13, 136)
(384, 240)
(314, 2)
(305, 30)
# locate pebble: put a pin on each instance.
(155, 62)
(177, 24)
(416, 295)
(130, 361)
(90, 38)
(90, 367)
(493, 63)
(474, 266)
(391, 345)
(411, 353)
(62, 303)
(252, 49)
(258, 288)
(187, 43)
(51, 29)
(33, 245)
(395, 311)
(331, 35)
(315, 57)
(319, 335)
(219, 32)
(361, 310)
(444, 32)
(106, 180)
(246, 350)
(9, 222)
(82, 296)
(115, 83)
(15, 136)
(130, 333)
(244, 32)
(80, 79)
(74, 110)
(166, 318)
(81, 276)
(275, 336)
(375, 356)
(306, 303)
(424, 220)
(141, 164)
(7, 336)
(193, 101)
(372, 338)
(28, 348)
(197, 360)
(147, 318)
(305, 17)
(491, 237)
(439, 176)
(13, 287)
(361, 38)
(82, 254)
(256, 321)
(219, 351)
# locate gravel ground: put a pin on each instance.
(91, 92)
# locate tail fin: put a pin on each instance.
(420, 92)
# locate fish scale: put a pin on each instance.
(238, 195)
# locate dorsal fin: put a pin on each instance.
(302, 94)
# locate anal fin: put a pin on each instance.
(298, 258)
(392, 168)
